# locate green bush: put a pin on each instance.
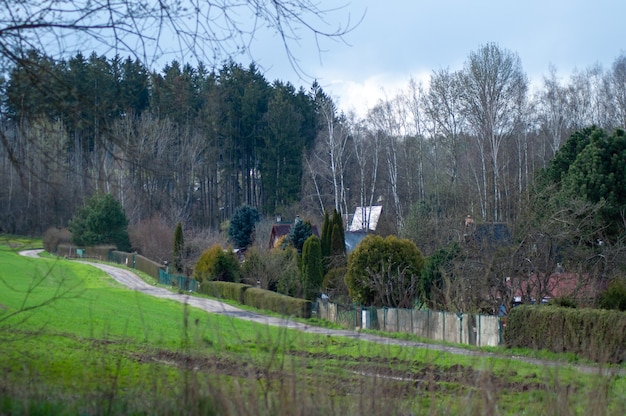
(614, 297)
(385, 272)
(215, 263)
(595, 334)
(285, 305)
(289, 273)
(334, 285)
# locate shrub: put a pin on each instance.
(614, 297)
(225, 290)
(152, 238)
(286, 305)
(55, 236)
(598, 335)
(563, 302)
(385, 272)
(215, 263)
(289, 274)
(334, 285)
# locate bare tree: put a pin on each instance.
(493, 86)
(367, 147)
(617, 87)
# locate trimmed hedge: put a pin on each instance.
(286, 305)
(224, 290)
(599, 335)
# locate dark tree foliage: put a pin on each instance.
(312, 268)
(242, 226)
(326, 235)
(299, 232)
(100, 221)
(615, 296)
(598, 175)
(436, 267)
(179, 247)
(337, 236)
(568, 153)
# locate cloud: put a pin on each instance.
(361, 96)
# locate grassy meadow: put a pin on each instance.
(73, 341)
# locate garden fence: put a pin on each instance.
(471, 329)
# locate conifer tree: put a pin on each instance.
(312, 268)
(337, 236)
(179, 246)
(326, 235)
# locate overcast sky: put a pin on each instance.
(400, 39)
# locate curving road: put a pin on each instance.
(134, 282)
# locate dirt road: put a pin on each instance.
(134, 282)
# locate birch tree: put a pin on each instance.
(493, 86)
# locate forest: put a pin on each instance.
(191, 144)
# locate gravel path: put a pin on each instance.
(134, 282)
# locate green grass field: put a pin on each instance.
(73, 341)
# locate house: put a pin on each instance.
(282, 229)
(278, 231)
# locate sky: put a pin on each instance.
(397, 40)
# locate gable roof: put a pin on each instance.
(365, 218)
(279, 230)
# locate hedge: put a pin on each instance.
(286, 305)
(599, 335)
(224, 290)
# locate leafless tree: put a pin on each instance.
(616, 80)
(367, 146)
(493, 86)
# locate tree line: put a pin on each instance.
(187, 143)
(193, 144)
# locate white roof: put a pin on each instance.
(366, 218)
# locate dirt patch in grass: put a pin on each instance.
(429, 376)
(393, 378)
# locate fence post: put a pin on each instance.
(444, 325)
(460, 315)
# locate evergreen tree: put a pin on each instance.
(299, 232)
(101, 221)
(326, 235)
(338, 236)
(242, 226)
(312, 269)
(179, 247)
